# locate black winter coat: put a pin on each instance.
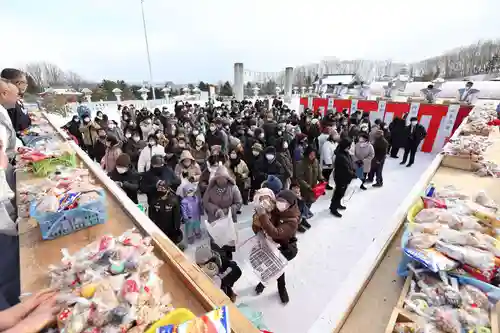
(414, 138)
(343, 168)
(150, 179)
(20, 119)
(165, 212)
(397, 129)
(133, 149)
(264, 168)
(215, 139)
(380, 146)
(130, 181)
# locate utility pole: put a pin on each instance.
(147, 51)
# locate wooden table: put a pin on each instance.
(372, 310)
(189, 286)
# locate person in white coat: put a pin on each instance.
(327, 157)
(152, 149)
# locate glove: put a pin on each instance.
(219, 213)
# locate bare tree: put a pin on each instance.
(35, 70)
(74, 80)
(54, 75)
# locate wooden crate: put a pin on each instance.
(400, 315)
(458, 162)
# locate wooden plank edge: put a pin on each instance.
(400, 217)
(400, 304)
(196, 281)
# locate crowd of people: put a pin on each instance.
(205, 162)
(211, 160)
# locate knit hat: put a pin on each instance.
(273, 183)
(203, 254)
(270, 150)
(257, 147)
(288, 195)
(200, 137)
(123, 160)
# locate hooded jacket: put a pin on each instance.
(228, 200)
(193, 170)
(144, 162)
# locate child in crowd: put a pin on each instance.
(191, 212)
(166, 214)
(305, 212)
(221, 270)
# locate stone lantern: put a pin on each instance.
(118, 94)
(197, 93)
(88, 94)
(295, 90)
(144, 93)
(255, 91)
(278, 90)
(167, 91)
(185, 90)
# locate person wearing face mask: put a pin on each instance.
(156, 180)
(397, 130)
(214, 136)
(297, 147)
(415, 133)
(279, 221)
(222, 197)
(146, 127)
(240, 172)
(200, 151)
(126, 177)
(363, 156)
(113, 150)
(182, 144)
(284, 158)
(116, 131)
(172, 155)
(380, 148)
(327, 157)
(73, 128)
(343, 174)
(161, 138)
(102, 119)
(269, 165)
(260, 137)
(133, 147)
(125, 119)
(165, 211)
(188, 166)
(100, 145)
(308, 176)
(89, 129)
(152, 149)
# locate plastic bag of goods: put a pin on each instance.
(222, 231)
(264, 257)
(477, 258)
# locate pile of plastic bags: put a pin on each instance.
(111, 285)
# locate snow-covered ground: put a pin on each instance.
(327, 252)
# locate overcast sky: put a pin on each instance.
(193, 40)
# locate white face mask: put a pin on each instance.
(255, 153)
(128, 135)
(282, 206)
(285, 145)
(413, 123)
(121, 170)
(212, 128)
(233, 156)
(261, 136)
(136, 138)
(111, 126)
(269, 157)
(86, 120)
(195, 132)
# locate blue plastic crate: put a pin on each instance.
(53, 225)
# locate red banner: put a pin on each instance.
(436, 112)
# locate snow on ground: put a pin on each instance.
(327, 252)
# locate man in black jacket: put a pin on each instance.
(414, 134)
(126, 177)
(380, 145)
(343, 175)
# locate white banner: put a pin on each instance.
(330, 104)
(414, 107)
(354, 106)
(446, 127)
(310, 103)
